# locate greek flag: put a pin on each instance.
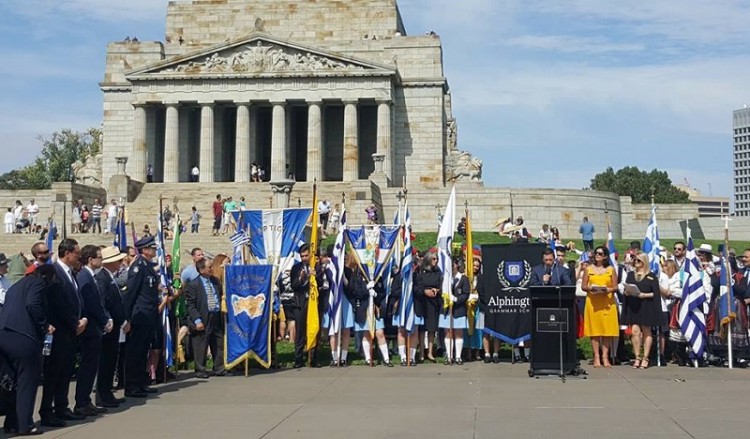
(651, 243)
(51, 236)
(239, 239)
(337, 271)
(691, 318)
(611, 246)
(583, 258)
(121, 232)
(164, 281)
(406, 306)
(444, 241)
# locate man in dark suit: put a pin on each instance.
(142, 311)
(90, 340)
(64, 313)
(549, 273)
(111, 260)
(23, 326)
(300, 279)
(203, 297)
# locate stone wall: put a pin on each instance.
(202, 23)
(635, 218)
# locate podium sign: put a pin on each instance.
(553, 319)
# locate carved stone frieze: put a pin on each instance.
(462, 166)
(259, 58)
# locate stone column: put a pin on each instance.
(351, 143)
(253, 134)
(278, 142)
(140, 150)
(242, 145)
(282, 190)
(314, 142)
(171, 145)
(206, 167)
(384, 135)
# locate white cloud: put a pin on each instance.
(109, 10)
(570, 44)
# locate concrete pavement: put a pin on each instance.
(435, 401)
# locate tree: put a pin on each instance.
(639, 185)
(55, 160)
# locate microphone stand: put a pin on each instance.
(559, 323)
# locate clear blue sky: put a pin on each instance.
(564, 87)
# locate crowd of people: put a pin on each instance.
(100, 308)
(22, 219)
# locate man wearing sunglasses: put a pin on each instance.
(679, 254)
(41, 254)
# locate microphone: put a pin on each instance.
(548, 272)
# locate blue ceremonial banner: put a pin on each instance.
(249, 301)
(275, 234)
(727, 305)
(372, 247)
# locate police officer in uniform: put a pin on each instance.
(141, 309)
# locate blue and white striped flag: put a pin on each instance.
(611, 246)
(583, 258)
(239, 239)
(335, 296)
(406, 305)
(51, 236)
(691, 318)
(165, 282)
(651, 243)
(445, 240)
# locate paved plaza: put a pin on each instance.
(435, 401)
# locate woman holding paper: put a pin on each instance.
(600, 313)
(642, 308)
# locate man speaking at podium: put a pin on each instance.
(549, 273)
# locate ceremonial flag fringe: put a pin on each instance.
(691, 317)
(651, 243)
(247, 296)
(472, 309)
(313, 318)
(406, 306)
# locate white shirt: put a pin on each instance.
(195, 171)
(68, 271)
(32, 209)
(324, 207)
(112, 211)
(17, 212)
(4, 286)
(9, 217)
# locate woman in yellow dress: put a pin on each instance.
(600, 314)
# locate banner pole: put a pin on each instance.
(728, 280)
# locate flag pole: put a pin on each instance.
(726, 272)
(407, 333)
(340, 311)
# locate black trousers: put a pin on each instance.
(58, 368)
(121, 350)
(136, 354)
(210, 338)
(91, 349)
(300, 339)
(107, 367)
(26, 357)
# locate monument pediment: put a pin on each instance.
(260, 55)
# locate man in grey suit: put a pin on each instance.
(203, 297)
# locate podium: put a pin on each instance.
(553, 331)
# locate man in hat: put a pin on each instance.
(4, 282)
(90, 340)
(112, 259)
(142, 311)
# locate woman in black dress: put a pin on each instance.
(428, 286)
(642, 311)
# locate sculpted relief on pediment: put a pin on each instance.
(259, 58)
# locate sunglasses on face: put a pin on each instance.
(599, 253)
(678, 249)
